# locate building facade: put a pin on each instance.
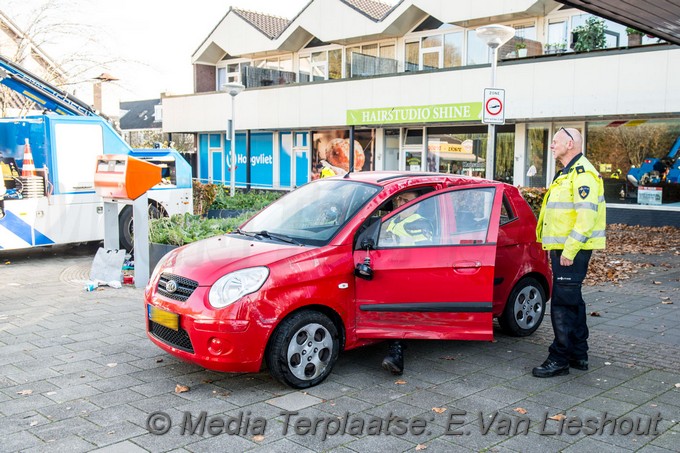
(409, 80)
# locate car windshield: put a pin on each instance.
(314, 213)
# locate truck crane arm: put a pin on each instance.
(43, 93)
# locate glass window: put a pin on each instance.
(536, 156)
(221, 77)
(305, 70)
(477, 50)
(414, 226)
(468, 214)
(505, 157)
(371, 50)
(507, 214)
(388, 51)
(335, 64)
(391, 161)
(431, 60)
(413, 137)
(452, 151)
(557, 33)
(412, 56)
(431, 41)
(453, 49)
(348, 59)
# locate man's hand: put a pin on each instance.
(565, 261)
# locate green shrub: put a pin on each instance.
(253, 200)
(184, 229)
(204, 196)
(534, 196)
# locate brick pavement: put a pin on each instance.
(78, 374)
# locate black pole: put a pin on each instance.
(248, 167)
(351, 149)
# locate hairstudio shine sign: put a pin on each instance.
(470, 111)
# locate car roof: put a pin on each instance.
(384, 178)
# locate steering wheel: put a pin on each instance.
(422, 227)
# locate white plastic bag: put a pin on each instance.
(107, 265)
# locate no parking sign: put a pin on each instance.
(494, 106)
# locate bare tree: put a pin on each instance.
(68, 53)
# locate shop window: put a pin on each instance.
(335, 64)
(536, 156)
(391, 154)
(413, 137)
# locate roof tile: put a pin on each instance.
(271, 26)
(373, 9)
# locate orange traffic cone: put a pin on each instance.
(28, 168)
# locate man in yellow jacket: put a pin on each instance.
(571, 225)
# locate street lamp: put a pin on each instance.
(494, 36)
(233, 89)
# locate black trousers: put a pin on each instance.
(568, 309)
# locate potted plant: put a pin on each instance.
(634, 37)
(168, 233)
(590, 36)
(521, 48)
(560, 47)
(548, 49)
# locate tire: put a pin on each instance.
(524, 309)
(303, 349)
(125, 225)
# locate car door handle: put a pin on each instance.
(467, 265)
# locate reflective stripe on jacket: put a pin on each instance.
(327, 172)
(406, 236)
(573, 213)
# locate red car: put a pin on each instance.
(343, 262)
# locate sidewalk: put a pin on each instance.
(77, 373)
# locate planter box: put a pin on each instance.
(156, 252)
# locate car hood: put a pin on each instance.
(207, 260)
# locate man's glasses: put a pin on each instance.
(567, 132)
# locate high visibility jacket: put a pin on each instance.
(326, 172)
(407, 236)
(573, 215)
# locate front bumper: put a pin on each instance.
(206, 339)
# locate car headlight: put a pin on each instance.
(235, 285)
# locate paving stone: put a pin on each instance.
(121, 447)
(294, 401)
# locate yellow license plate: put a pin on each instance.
(164, 318)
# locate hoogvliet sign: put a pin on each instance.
(470, 111)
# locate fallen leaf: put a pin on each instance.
(258, 438)
(33, 423)
(111, 365)
(181, 388)
(7, 262)
(24, 392)
(666, 302)
(207, 381)
(420, 447)
(656, 283)
(520, 410)
(447, 357)
(439, 410)
(607, 363)
(400, 382)
(159, 360)
(595, 314)
(558, 417)
(225, 394)
(677, 386)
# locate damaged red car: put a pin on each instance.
(346, 261)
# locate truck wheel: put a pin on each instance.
(524, 308)
(303, 349)
(125, 225)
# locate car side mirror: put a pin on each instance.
(368, 238)
(364, 270)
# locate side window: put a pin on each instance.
(416, 226)
(507, 214)
(468, 215)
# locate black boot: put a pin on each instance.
(394, 361)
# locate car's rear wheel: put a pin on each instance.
(524, 308)
(303, 349)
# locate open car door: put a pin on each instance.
(440, 284)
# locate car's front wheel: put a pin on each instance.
(303, 349)
(524, 308)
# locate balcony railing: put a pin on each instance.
(252, 77)
(368, 65)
